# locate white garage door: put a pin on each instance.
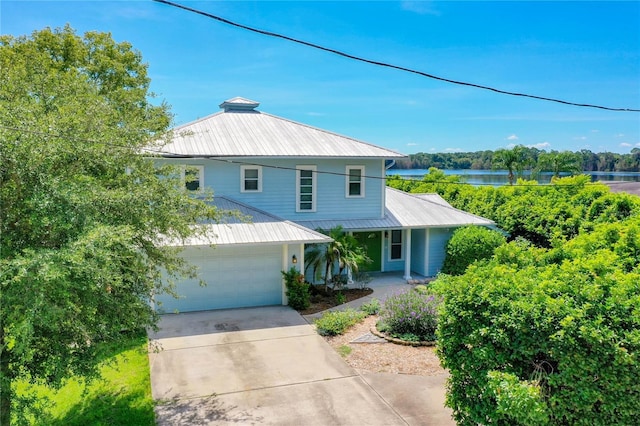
(236, 277)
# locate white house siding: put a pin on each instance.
(236, 276)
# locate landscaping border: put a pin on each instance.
(375, 332)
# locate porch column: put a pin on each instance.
(285, 267)
(407, 255)
(427, 244)
(301, 260)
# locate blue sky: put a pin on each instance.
(586, 52)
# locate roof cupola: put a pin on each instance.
(239, 104)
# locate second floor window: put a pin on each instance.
(251, 179)
(355, 181)
(193, 177)
(306, 188)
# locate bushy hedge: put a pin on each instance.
(469, 244)
(411, 314)
(546, 336)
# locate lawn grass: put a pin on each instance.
(122, 397)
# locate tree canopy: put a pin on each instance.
(83, 210)
(487, 160)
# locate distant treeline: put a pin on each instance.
(585, 160)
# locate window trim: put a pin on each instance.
(200, 169)
(391, 244)
(243, 178)
(314, 188)
(348, 182)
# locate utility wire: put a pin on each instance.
(387, 65)
(162, 152)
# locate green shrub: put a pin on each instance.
(469, 244)
(410, 312)
(530, 343)
(372, 307)
(422, 289)
(336, 322)
(298, 292)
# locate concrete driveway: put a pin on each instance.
(269, 366)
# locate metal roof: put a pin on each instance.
(241, 131)
(434, 198)
(251, 226)
(404, 210)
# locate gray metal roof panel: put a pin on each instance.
(249, 133)
(416, 211)
(435, 198)
(263, 228)
(403, 210)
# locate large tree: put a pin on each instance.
(83, 213)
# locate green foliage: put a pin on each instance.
(514, 160)
(83, 213)
(554, 333)
(470, 244)
(342, 254)
(121, 397)
(518, 401)
(559, 162)
(485, 160)
(340, 298)
(422, 289)
(345, 350)
(298, 291)
(410, 312)
(544, 215)
(372, 307)
(337, 322)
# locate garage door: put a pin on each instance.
(236, 277)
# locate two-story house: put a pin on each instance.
(291, 179)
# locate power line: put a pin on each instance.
(161, 152)
(387, 65)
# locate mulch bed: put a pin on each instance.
(322, 302)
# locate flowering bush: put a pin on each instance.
(411, 313)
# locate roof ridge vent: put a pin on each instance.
(239, 104)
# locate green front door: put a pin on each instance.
(373, 242)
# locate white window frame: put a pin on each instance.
(391, 244)
(348, 183)
(314, 188)
(243, 178)
(200, 170)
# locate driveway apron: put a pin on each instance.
(256, 366)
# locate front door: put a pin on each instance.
(373, 243)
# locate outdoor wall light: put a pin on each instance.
(294, 259)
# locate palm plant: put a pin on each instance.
(513, 160)
(344, 253)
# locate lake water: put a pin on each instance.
(500, 177)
